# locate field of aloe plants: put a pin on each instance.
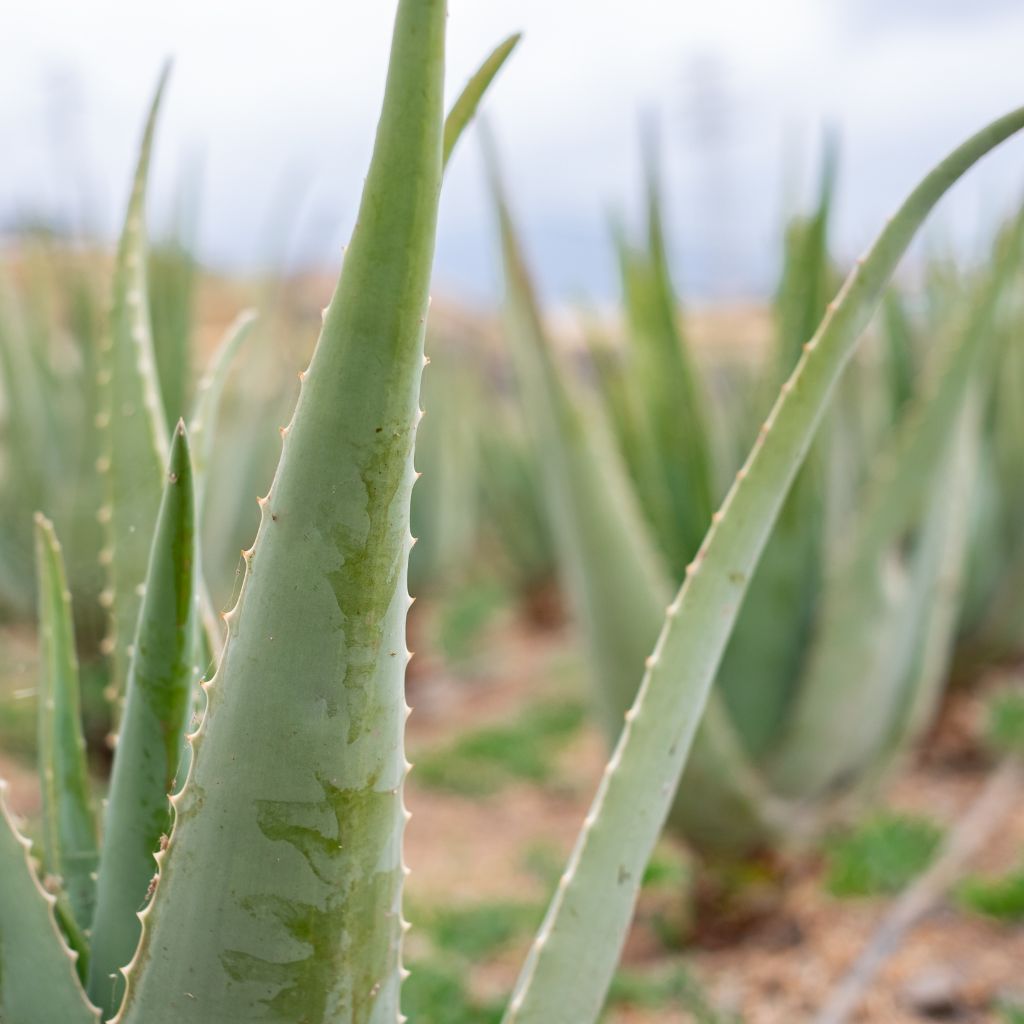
(714, 714)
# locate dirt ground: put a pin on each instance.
(777, 961)
(776, 969)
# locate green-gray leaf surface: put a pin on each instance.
(132, 424)
(465, 106)
(279, 896)
(70, 847)
(570, 966)
(157, 705)
(38, 983)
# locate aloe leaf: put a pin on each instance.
(677, 423)
(149, 746)
(202, 423)
(942, 559)
(70, 846)
(618, 584)
(172, 275)
(569, 968)
(899, 339)
(37, 971)
(765, 656)
(464, 108)
(807, 279)
(279, 893)
(133, 428)
(854, 679)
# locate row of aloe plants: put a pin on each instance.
(476, 512)
(846, 631)
(274, 822)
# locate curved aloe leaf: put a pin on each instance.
(465, 107)
(70, 847)
(900, 351)
(202, 422)
(37, 971)
(132, 425)
(279, 894)
(854, 681)
(682, 491)
(568, 970)
(614, 575)
(149, 747)
(765, 656)
(943, 558)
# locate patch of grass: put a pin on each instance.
(1005, 727)
(481, 762)
(881, 855)
(1011, 1013)
(1001, 899)
(435, 993)
(663, 989)
(668, 868)
(544, 862)
(666, 904)
(482, 930)
(18, 725)
(464, 616)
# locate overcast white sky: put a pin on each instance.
(272, 108)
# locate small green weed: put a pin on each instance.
(999, 898)
(435, 993)
(1005, 727)
(544, 862)
(1011, 1013)
(464, 616)
(881, 855)
(482, 762)
(664, 989)
(478, 932)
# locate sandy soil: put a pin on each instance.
(778, 967)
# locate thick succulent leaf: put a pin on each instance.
(445, 509)
(618, 584)
(808, 281)
(465, 106)
(992, 620)
(172, 277)
(70, 846)
(133, 429)
(855, 676)
(37, 971)
(157, 706)
(900, 354)
(202, 423)
(279, 891)
(570, 966)
(941, 559)
(766, 654)
(678, 432)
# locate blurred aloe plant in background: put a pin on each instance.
(268, 797)
(845, 633)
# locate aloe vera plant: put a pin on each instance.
(844, 613)
(277, 893)
(569, 967)
(335, 524)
